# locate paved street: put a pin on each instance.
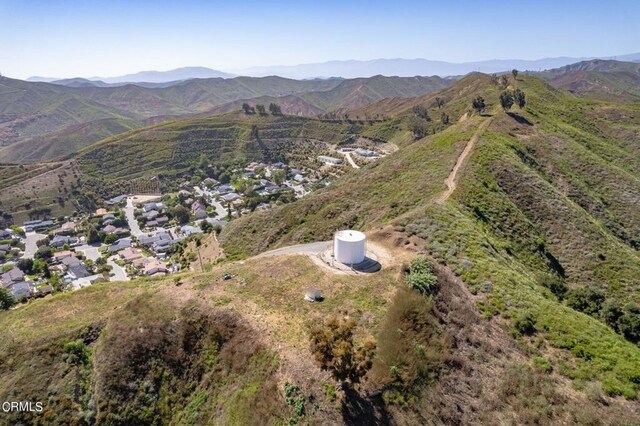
(119, 273)
(131, 219)
(30, 244)
(90, 251)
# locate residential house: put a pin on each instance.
(67, 228)
(110, 229)
(59, 241)
(225, 189)
(199, 210)
(365, 152)
(119, 245)
(71, 260)
(22, 290)
(188, 230)
(329, 160)
(77, 270)
(231, 197)
(37, 225)
(130, 254)
(152, 206)
(163, 220)
(269, 190)
(101, 212)
(153, 266)
(150, 215)
(60, 255)
(299, 178)
(12, 276)
(150, 239)
(5, 234)
(116, 200)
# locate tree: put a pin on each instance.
(275, 109)
(43, 252)
(478, 104)
(421, 112)
(279, 176)
(206, 227)
(444, 118)
(203, 161)
(248, 109)
(585, 300)
(629, 324)
(503, 81)
(418, 127)
(261, 109)
(6, 299)
(181, 214)
(506, 100)
(110, 239)
(514, 72)
(333, 348)
(254, 133)
(439, 102)
(519, 98)
(25, 265)
(92, 235)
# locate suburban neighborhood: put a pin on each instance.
(143, 235)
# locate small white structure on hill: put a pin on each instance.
(349, 247)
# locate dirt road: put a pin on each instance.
(450, 181)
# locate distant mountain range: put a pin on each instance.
(176, 75)
(342, 69)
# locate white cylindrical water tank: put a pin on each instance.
(349, 247)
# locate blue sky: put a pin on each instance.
(112, 37)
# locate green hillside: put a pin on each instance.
(607, 80)
(48, 120)
(548, 195)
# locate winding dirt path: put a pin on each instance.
(450, 181)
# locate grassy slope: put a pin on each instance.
(207, 348)
(66, 141)
(564, 187)
(45, 185)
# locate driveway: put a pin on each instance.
(131, 219)
(350, 160)
(119, 274)
(311, 248)
(30, 246)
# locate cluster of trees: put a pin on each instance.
(274, 109)
(478, 104)
(510, 97)
(623, 319)
(418, 122)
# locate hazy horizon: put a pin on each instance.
(95, 39)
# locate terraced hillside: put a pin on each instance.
(232, 136)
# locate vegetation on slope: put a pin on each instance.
(547, 195)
